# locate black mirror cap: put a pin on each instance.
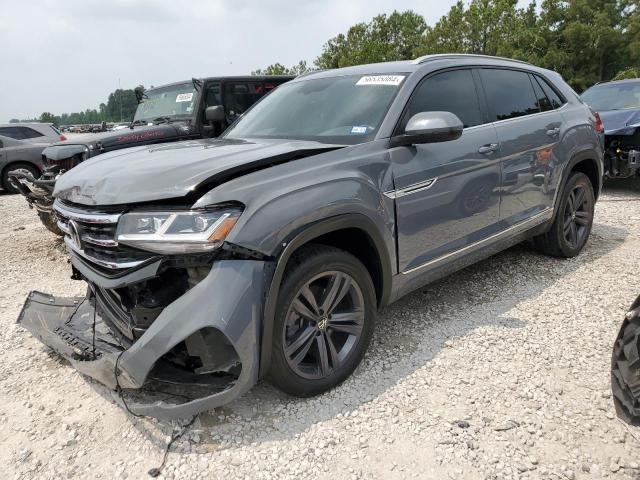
(214, 114)
(430, 127)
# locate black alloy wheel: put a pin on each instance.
(577, 216)
(324, 324)
(324, 320)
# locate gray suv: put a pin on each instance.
(268, 251)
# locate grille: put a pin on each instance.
(92, 235)
(65, 163)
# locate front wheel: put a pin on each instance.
(572, 226)
(324, 321)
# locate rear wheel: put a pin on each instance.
(574, 218)
(17, 167)
(324, 321)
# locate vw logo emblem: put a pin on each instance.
(73, 233)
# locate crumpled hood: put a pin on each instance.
(173, 170)
(140, 135)
(620, 122)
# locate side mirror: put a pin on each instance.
(214, 114)
(430, 127)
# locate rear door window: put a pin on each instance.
(11, 132)
(510, 93)
(453, 91)
(239, 96)
(554, 98)
(27, 132)
(543, 101)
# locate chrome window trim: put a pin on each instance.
(536, 219)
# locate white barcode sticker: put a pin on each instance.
(184, 97)
(381, 80)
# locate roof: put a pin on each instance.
(409, 66)
(235, 78)
(617, 82)
(23, 124)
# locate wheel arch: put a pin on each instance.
(342, 231)
(587, 163)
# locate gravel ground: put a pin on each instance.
(500, 371)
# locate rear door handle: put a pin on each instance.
(488, 148)
(553, 132)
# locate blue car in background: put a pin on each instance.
(618, 103)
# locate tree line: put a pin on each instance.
(120, 106)
(586, 41)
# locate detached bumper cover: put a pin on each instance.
(229, 299)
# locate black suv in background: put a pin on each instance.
(269, 250)
(197, 108)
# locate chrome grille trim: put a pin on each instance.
(98, 218)
(103, 263)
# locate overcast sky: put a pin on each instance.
(68, 55)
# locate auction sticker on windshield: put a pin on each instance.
(380, 80)
(184, 97)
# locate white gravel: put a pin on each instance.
(500, 371)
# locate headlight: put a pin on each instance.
(177, 232)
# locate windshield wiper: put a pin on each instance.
(137, 122)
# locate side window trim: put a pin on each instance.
(545, 82)
(483, 113)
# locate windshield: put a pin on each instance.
(340, 110)
(616, 96)
(172, 101)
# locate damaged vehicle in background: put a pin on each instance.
(198, 108)
(268, 252)
(618, 104)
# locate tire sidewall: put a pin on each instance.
(320, 260)
(10, 168)
(577, 178)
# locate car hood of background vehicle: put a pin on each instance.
(173, 170)
(119, 138)
(620, 122)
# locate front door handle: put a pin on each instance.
(553, 132)
(488, 148)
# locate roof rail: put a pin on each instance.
(440, 56)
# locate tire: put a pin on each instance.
(17, 166)
(572, 225)
(341, 330)
(50, 221)
(625, 368)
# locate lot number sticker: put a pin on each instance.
(381, 80)
(184, 97)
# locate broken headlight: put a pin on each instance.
(191, 231)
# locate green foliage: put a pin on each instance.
(585, 40)
(633, 72)
(108, 112)
(14, 120)
(385, 38)
(47, 117)
(279, 69)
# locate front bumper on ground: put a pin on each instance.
(229, 299)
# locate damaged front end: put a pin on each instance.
(175, 333)
(622, 154)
